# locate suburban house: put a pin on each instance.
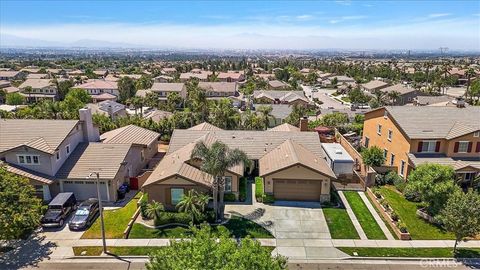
(202, 77)
(277, 85)
(374, 85)
(41, 89)
(157, 115)
(290, 162)
(109, 108)
(443, 100)
(163, 79)
(11, 75)
(96, 87)
(280, 97)
(230, 77)
(279, 113)
(60, 155)
(413, 135)
(164, 89)
(218, 89)
(405, 94)
(169, 70)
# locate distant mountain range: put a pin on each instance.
(7, 40)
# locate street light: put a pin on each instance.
(101, 209)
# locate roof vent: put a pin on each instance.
(338, 151)
(427, 130)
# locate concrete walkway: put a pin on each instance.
(352, 216)
(377, 217)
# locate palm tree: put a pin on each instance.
(189, 204)
(28, 90)
(154, 210)
(265, 114)
(446, 68)
(216, 159)
(393, 96)
(470, 73)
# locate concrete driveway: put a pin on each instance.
(62, 233)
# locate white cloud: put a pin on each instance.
(344, 2)
(304, 17)
(347, 18)
(438, 15)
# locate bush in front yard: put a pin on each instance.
(143, 203)
(173, 217)
(259, 189)
(243, 189)
(268, 198)
(397, 181)
(229, 197)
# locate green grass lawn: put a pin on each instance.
(115, 221)
(123, 251)
(364, 217)
(384, 221)
(412, 252)
(418, 228)
(339, 224)
(237, 226)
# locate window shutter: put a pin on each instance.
(469, 147)
(477, 149)
(420, 145)
(437, 147)
(455, 148)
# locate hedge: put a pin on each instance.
(259, 189)
(229, 197)
(243, 189)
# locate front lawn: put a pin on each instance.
(115, 221)
(123, 251)
(418, 228)
(364, 217)
(412, 252)
(340, 224)
(237, 226)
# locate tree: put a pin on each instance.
(335, 119)
(216, 160)
(151, 99)
(74, 101)
(265, 114)
(357, 96)
(137, 103)
(223, 114)
(63, 87)
(28, 90)
(21, 210)
(378, 99)
(174, 100)
(433, 183)
(208, 250)
(251, 121)
(197, 101)
(145, 82)
(461, 215)
(192, 204)
(298, 112)
(15, 99)
(393, 96)
(154, 210)
(126, 87)
(373, 156)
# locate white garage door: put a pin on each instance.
(85, 189)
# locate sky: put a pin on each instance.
(403, 24)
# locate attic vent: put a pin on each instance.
(338, 151)
(233, 136)
(427, 130)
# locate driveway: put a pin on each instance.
(62, 233)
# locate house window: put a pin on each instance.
(429, 146)
(402, 168)
(390, 133)
(21, 159)
(57, 155)
(392, 159)
(367, 142)
(379, 129)
(469, 177)
(385, 153)
(228, 184)
(28, 159)
(476, 134)
(142, 155)
(67, 148)
(35, 160)
(463, 147)
(176, 195)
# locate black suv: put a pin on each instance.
(85, 215)
(59, 209)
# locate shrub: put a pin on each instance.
(377, 194)
(385, 205)
(394, 216)
(229, 197)
(259, 189)
(243, 189)
(397, 181)
(268, 198)
(411, 194)
(143, 203)
(173, 217)
(373, 156)
(402, 227)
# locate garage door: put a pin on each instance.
(297, 190)
(85, 189)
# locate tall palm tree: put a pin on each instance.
(265, 114)
(216, 159)
(28, 90)
(154, 210)
(469, 73)
(393, 96)
(446, 67)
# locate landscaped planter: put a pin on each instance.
(386, 215)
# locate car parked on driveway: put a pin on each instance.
(85, 215)
(59, 209)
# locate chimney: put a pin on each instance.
(90, 133)
(304, 124)
(110, 111)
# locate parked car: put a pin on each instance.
(85, 215)
(59, 209)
